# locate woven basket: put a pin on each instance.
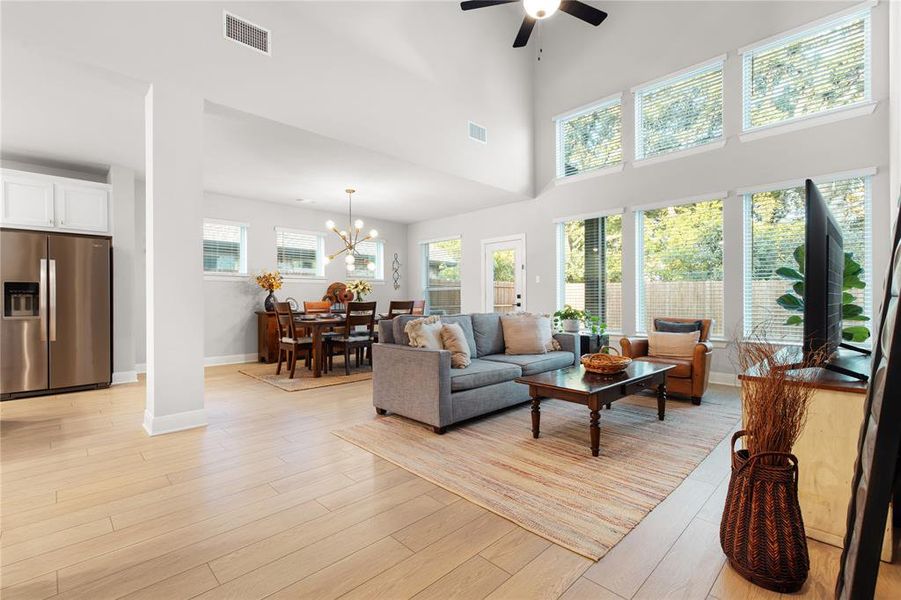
(762, 532)
(605, 364)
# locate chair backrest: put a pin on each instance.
(316, 306)
(418, 307)
(706, 324)
(284, 319)
(359, 314)
(400, 307)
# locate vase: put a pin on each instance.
(762, 532)
(269, 302)
(571, 325)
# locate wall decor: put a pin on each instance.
(395, 271)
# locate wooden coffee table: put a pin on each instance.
(574, 384)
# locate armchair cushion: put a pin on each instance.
(676, 326)
(683, 365)
(678, 345)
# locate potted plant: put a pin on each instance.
(569, 319)
(762, 531)
(270, 281)
(361, 288)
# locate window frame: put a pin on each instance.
(378, 275)
(747, 53)
(561, 119)
(639, 156)
(424, 266)
(242, 257)
(320, 254)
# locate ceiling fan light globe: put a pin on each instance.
(358, 224)
(349, 259)
(370, 265)
(373, 233)
(329, 224)
(342, 233)
(540, 9)
(350, 267)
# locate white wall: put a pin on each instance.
(638, 43)
(230, 326)
(895, 121)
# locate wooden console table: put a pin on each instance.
(267, 337)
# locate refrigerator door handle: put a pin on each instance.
(52, 290)
(42, 299)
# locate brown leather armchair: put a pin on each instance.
(690, 376)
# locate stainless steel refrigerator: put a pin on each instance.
(56, 320)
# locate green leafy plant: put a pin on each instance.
(568, 313)
(793, 300)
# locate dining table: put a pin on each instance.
(317, 324)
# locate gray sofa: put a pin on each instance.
(420, 384)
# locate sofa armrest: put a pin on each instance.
(633, 347)
(569, 342)
(412, 382)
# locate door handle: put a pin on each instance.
(52, 290)
(42, 299)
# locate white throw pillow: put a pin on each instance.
(527, 333)
(672, 345)
(425, 333)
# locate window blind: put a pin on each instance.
(299, 253)
(811, 72)
(681, 264)
(774, 227)
(223, 247)
(370, 250)
(590, 139)
(591, 267)
(441, 261)
(679, 113)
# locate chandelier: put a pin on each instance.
(351, 237)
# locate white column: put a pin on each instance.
(174, 138)
(894, 107)
(122, 181)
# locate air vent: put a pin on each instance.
(246, 33)
(478, 133)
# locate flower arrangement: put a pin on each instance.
(269, 281)
(360, 287)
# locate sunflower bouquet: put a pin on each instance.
(269, 281)
(360, 287)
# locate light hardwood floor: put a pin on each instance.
(265, 502)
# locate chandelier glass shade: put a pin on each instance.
(351, 237)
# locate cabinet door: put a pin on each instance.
(26, 202)
(82, 208)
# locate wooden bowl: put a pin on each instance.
(605, 364)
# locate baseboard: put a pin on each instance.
(140, 368)
(229, 359)
(724, 378)
(172, 423)
(125, 377)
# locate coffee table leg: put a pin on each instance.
(536, 416)
(661, 401)
(595, 432)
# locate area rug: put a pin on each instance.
(552, 486)
(303, 377)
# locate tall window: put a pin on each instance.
(370, 251)
(590, 139)
(679, 112)
(811, 72)
(299, 253)
(774, 228)
(224, 247)
(680, 263)
(591, 267)
(441, 265)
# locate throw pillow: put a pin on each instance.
(453, 339)
(676, 326)
(425, 333)
(672, 345)
(527, 333)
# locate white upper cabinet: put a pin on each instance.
(34, 201)
(82, 208)
(26, 202)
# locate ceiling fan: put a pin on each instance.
(537, 10)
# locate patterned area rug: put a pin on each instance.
(303, 377)
(552, 486)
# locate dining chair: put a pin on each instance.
(399, 307)
(418, 307)
(317, 306)
(359, 314)
(289, 341)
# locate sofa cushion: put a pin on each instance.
(399, 322)
(535, 363)
(465, 323)
(489, 334)
(683, 365)
(481, 373)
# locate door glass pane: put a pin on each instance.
(504, 280)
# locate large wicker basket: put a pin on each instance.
(605, 364)
(762, 532)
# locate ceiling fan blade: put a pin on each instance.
(525, 30)
(580, 10)
(473, 4)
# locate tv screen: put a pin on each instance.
(824, 264)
